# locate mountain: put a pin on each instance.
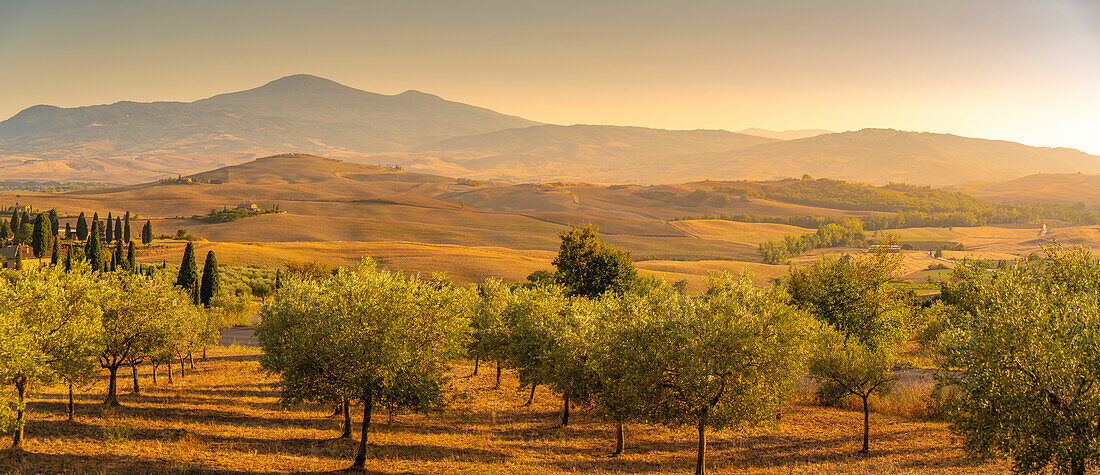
(131, 141)
(1047, 187)
(785, 134)
(575, 152)
(882, 156)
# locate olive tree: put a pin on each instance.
(141, 314)
(46, 319)
(1021, 363)
(729, 359)
(489, 328)
(366, 334)
(866, 318)
(534, 317)
(623, 357)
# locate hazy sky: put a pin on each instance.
(1026, 71)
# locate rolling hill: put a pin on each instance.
(1048, 187)
(881, 156)
(127, 142)
(784, 134)
(576, 152)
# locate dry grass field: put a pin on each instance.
(224, 417)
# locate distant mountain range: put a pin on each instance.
(784, 134)
(130, 142)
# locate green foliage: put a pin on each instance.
(47, 323)
(364, 334)
(855, 296)
(131, 256)
(54, 222)
(489, 327)
(211, 284)
(728, 360)
(588, 267)
(126, 227)
(93, 249)
(5, 231)
(828, 235)
(188, 276)
(1020, 362)
(534, 316)
(866, 319)
(55, 253)
(147, 233)
(109, 230)
(15, 220)
(41, 236)
(228, 215)
(144, 316)
(81, 227)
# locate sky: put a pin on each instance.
(1026, 71)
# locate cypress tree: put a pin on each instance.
(147, 233)
(81, 227)
(96, 224)
(69, 258)
(93, 250)
(18, 259)
(26, 219)
(278, 279)
(55, 225)
(188, 277)
(15, 220)
(54, 253)
(126, 227)
(109, 231)
(5, 231)
(118, 229)
(118, 263)
(68, 230)
(40, 236)
(111, 264)
(210, 281)
(131, 256)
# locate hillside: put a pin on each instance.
(576, 152)
(882, 156)
(784, 134)
(605, 154)
(127, 142)
(132, 142)
(1048, 187)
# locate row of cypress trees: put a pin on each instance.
(201, 290)
(119, 231)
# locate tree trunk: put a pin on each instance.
(17, 438)
(137, 389)
(169, 370)
(191, 359)
(72, 409)
(565, 410)
(361, 455)
(204, 353)
(866, 426)
(618, 438)
(347, 419)
(183, 361)
(112, 388)
(532, 398)
(155, 364)
(701, 455)
(336, 411)
(477, 362)
(498, 376)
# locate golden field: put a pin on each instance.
(224, 417)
